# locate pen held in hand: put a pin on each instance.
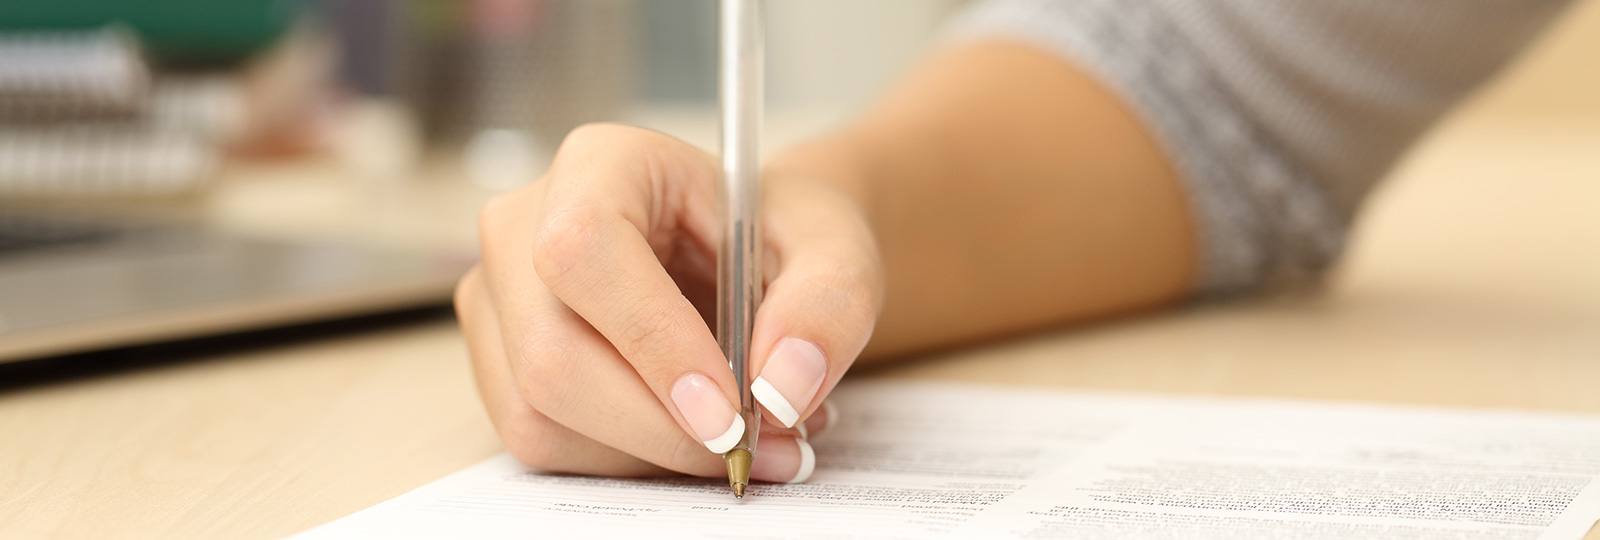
(740, 52)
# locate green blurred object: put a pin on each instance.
(173, 32)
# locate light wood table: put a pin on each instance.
(1474, 280)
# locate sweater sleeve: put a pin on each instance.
(1279, 115)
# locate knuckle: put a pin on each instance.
(597, 134)
(564, 239)
(493, 219)
(494, 211)
(507, 213)
(527, 441)
(542, 361)
(650, 331)
(463, 295)
(643, 144)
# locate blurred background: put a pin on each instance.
(386, 123)
(102, 97)
(173, 169)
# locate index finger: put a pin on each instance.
(616, 196)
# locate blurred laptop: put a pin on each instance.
(72, 283)
(85, 114)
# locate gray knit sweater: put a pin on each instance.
(1279, 114)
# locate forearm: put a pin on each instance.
(1008, 192)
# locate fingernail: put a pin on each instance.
(703, 405)
(784, 460)
(790, 379)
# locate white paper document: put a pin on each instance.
(912, 461)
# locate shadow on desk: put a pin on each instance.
(74, 367)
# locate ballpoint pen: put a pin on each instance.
(739, 278)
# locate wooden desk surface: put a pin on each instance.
(1472, 281)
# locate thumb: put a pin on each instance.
(821, 305)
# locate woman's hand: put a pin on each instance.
(588, 319)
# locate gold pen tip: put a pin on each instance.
(738, 461)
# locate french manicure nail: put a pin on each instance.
(793, 373)
(703, 405)
(808, 463)
(785, 460)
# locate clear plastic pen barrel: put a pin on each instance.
(739, 277)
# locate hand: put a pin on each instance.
(589, 318)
